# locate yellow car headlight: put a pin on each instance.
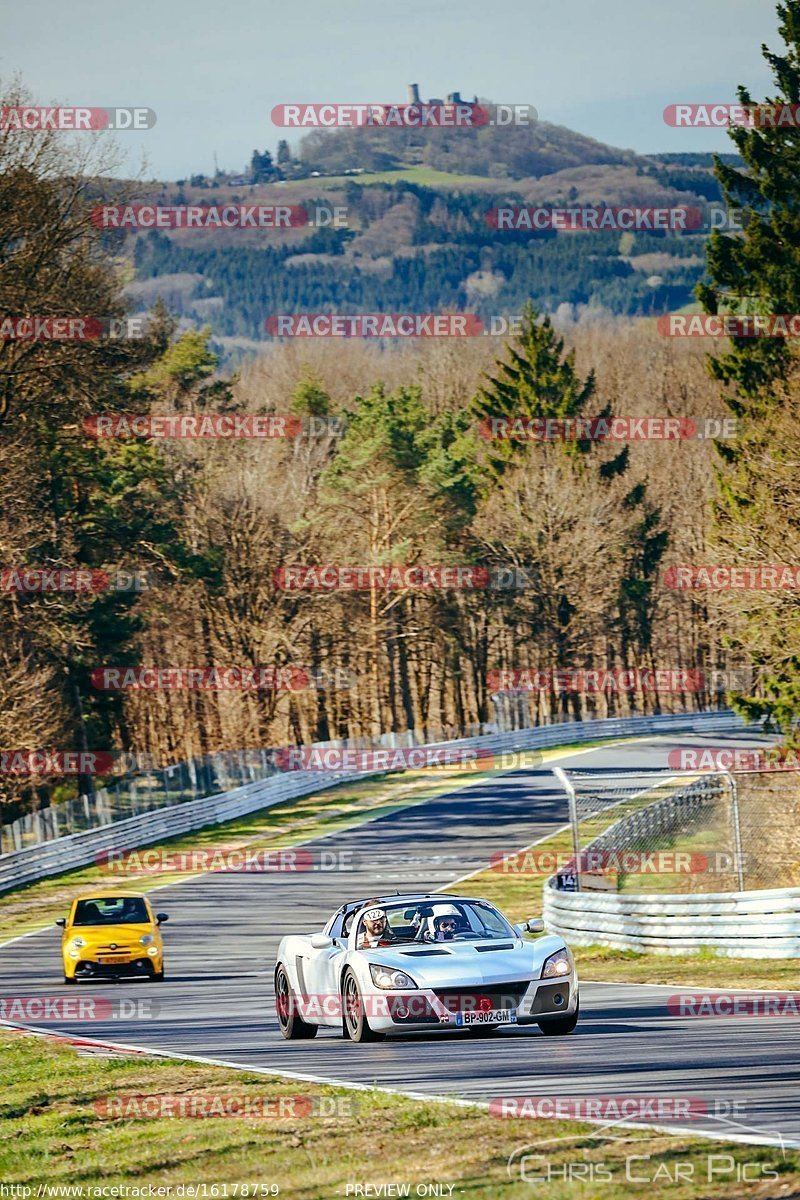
(147, 939)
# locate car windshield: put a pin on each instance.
(435, 921)
(112, 910)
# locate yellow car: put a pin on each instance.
(112, 935)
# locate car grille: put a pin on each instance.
(498, 995)
(116, 949)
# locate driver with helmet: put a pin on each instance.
(442, 924)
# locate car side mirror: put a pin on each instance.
(534, 925)
(321, 941)
(161, 917)
(62, 921)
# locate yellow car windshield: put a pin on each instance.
(129, 910)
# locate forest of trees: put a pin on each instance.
(420, 249)
(389, 467)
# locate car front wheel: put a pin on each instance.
(355, 1025)
(558, 1026)
(291, 1025)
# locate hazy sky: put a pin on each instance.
(213, 69)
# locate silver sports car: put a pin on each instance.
(395, 963)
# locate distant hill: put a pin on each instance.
(516, 152)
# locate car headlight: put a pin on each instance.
(146, 939)
(556, 964)
(389, 978)
(77, 944)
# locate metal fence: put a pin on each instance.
(645, 829)
(163, 821)
(759, 924)
(146, 788)
(648, 832)
(138, 792)
(671, 870)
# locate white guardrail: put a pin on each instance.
(80, 849)
(754, 924)
(764, 924)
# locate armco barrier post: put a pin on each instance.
(573, 820)
(737, 828)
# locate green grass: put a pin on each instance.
(702, 970)
(53, 1134)
(424, 176)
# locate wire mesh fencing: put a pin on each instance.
(139, 791)
(650, 831)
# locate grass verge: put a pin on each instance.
(292, 823)
(329, 1138)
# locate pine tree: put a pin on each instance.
(758, 271)
(537, 379)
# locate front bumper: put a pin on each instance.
(90, 967)
(426, 1008)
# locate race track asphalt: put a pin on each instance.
(217, 1000)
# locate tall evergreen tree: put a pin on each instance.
(536, 379)
(758, 271)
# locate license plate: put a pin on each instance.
(120, 959)
(495, 1016)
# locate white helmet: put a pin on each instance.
(439, 911)
(375, 914)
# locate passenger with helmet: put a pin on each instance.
(375, 930)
